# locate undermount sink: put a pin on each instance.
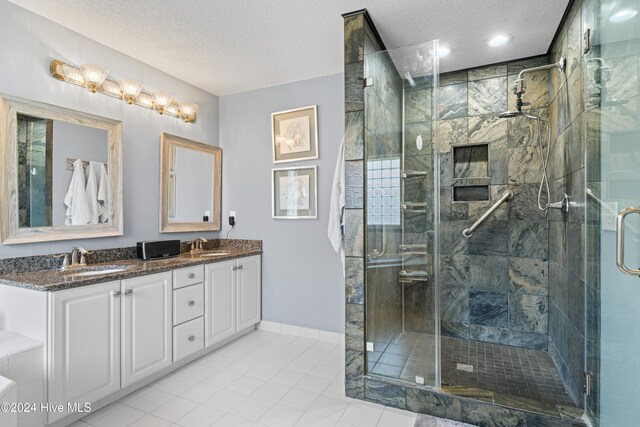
(95, 271)
(213, 254)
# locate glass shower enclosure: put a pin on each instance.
(402, 329)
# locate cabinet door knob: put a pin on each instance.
(116, 294)
(192, 338)
(234, 268)
(239, 267)
(192, 275)
(192, 303)
(128, 292)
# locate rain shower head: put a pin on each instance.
(508, 114)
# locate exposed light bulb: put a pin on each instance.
(93, 76)
(130, 89)
(499, 40)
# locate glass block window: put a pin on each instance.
(383, 192)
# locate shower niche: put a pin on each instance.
(470, 172)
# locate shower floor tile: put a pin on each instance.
(502, 374)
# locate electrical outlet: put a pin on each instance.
(609, 212)
(232, 213)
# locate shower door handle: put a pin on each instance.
(620, 241)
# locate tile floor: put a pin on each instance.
(513, 371)
(262, 379)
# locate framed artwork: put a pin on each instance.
(295, 134)
(295, 193)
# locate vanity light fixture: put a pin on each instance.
(130, 90)
(93, 76)
(94, 79)
(188, 111)
(161, 100)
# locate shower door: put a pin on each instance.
(611, 69)
(402, 330)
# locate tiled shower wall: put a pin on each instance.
(566, 233)
(494, 284)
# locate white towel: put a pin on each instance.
(95, 208)
(336, 210)
(103, 194)
(98, 193)
(76, 198)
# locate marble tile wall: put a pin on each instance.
(494, 284)
(522, 280)
(566, 233)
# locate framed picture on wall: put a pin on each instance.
(295, 193)
(295, 134)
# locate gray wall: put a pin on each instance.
(302, 276)
(77, 142)
(27, 45)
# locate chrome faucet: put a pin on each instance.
(196, 244)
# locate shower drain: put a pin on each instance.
(463, 367)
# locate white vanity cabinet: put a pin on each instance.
(107, 336)
(146, 326)
(84, 344)
(232, 297)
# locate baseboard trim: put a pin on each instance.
(299, 331)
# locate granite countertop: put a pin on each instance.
(56, 280)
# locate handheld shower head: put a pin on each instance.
(509, 114)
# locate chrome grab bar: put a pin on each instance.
(467, 232)
(413, 276)
(620, 241)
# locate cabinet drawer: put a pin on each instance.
(188, 276)
(188, 303)
(188, 338)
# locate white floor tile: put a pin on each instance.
(79, 423)
(288, 377)
(122, 417)
(299, 399)
(231, 420)
(246, 384)
(175, 409)
(361, 415)
(222, 378)
(314, 383)
(312, 420)
(335, 389)
(135, 395)
(177, 385)
(329, 407)
(225, 400)
(392, 419)
(302, 365)
(151, 400)
(94, 416)
(201, 416)
(201, 392)
(327, 370)
(271, 391)
(281, 416)
(151, 421)
(196, 371)
(252, 408)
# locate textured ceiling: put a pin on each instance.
(227, 46)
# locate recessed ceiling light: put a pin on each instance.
(499, 40)
(623, 15)
(443, 51)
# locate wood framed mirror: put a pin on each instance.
(190, 185)
(62, 173)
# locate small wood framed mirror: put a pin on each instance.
(190, 185)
